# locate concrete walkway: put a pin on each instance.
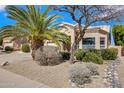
(11, 80)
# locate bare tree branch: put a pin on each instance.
(90, 14)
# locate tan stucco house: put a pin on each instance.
(95, 37)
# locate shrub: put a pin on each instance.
(109, 54)
(79, 74)
(48, 55)
(8, 48)
(93, 68)
(25, 48)
(96, 51)
(92, 57)
(65, 55)
(79, 54)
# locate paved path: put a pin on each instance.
(15, 57)
(11, 80)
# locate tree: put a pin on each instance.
(67, 45)
(89, 15)
(118, 32)
(1, 41)
(33, 24)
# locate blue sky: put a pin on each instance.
(66, 18)
(6, 21)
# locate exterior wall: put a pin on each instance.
(48, 43)
(97, 39)
(106, 39)
(72, 36)
(80, 45)
(16, 44)
(7, 42)
(104, 27)
(70, 32)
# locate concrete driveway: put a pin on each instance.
(12, 80)
(15, 57)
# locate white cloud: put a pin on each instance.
(2, 7)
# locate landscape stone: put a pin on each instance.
(111, 79)
(4, 63)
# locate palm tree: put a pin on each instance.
(34, 25)
(1, 41)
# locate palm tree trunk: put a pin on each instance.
(34, 46)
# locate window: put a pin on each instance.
(89, 42)
(102, 42)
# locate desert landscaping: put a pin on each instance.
(52, 76)
(44, 48)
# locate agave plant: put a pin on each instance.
(33, 24)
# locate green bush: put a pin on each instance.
(109, 54)
(79, 53)
(65, 55)
(8, 48)
(96, 51)
(1, 41)
(25, 48)
(92, 57)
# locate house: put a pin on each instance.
(96, 37)
(15, 44)
(7, 42)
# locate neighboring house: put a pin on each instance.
(15, 44)
(95, 37)
(49, 43)
(7, 42)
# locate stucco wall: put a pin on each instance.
(97, 39)
(69, 31)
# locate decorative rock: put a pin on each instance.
(111, 79)
(4, 63)
(73, 84)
